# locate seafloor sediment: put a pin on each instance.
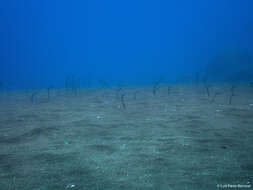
(177, 139)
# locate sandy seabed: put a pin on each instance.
(180, 140)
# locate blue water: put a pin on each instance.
(132, 42)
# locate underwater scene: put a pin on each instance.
(126, 95)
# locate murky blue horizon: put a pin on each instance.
(130, 42)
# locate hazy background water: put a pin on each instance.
(131, 42)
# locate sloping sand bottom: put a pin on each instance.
(181, 140)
